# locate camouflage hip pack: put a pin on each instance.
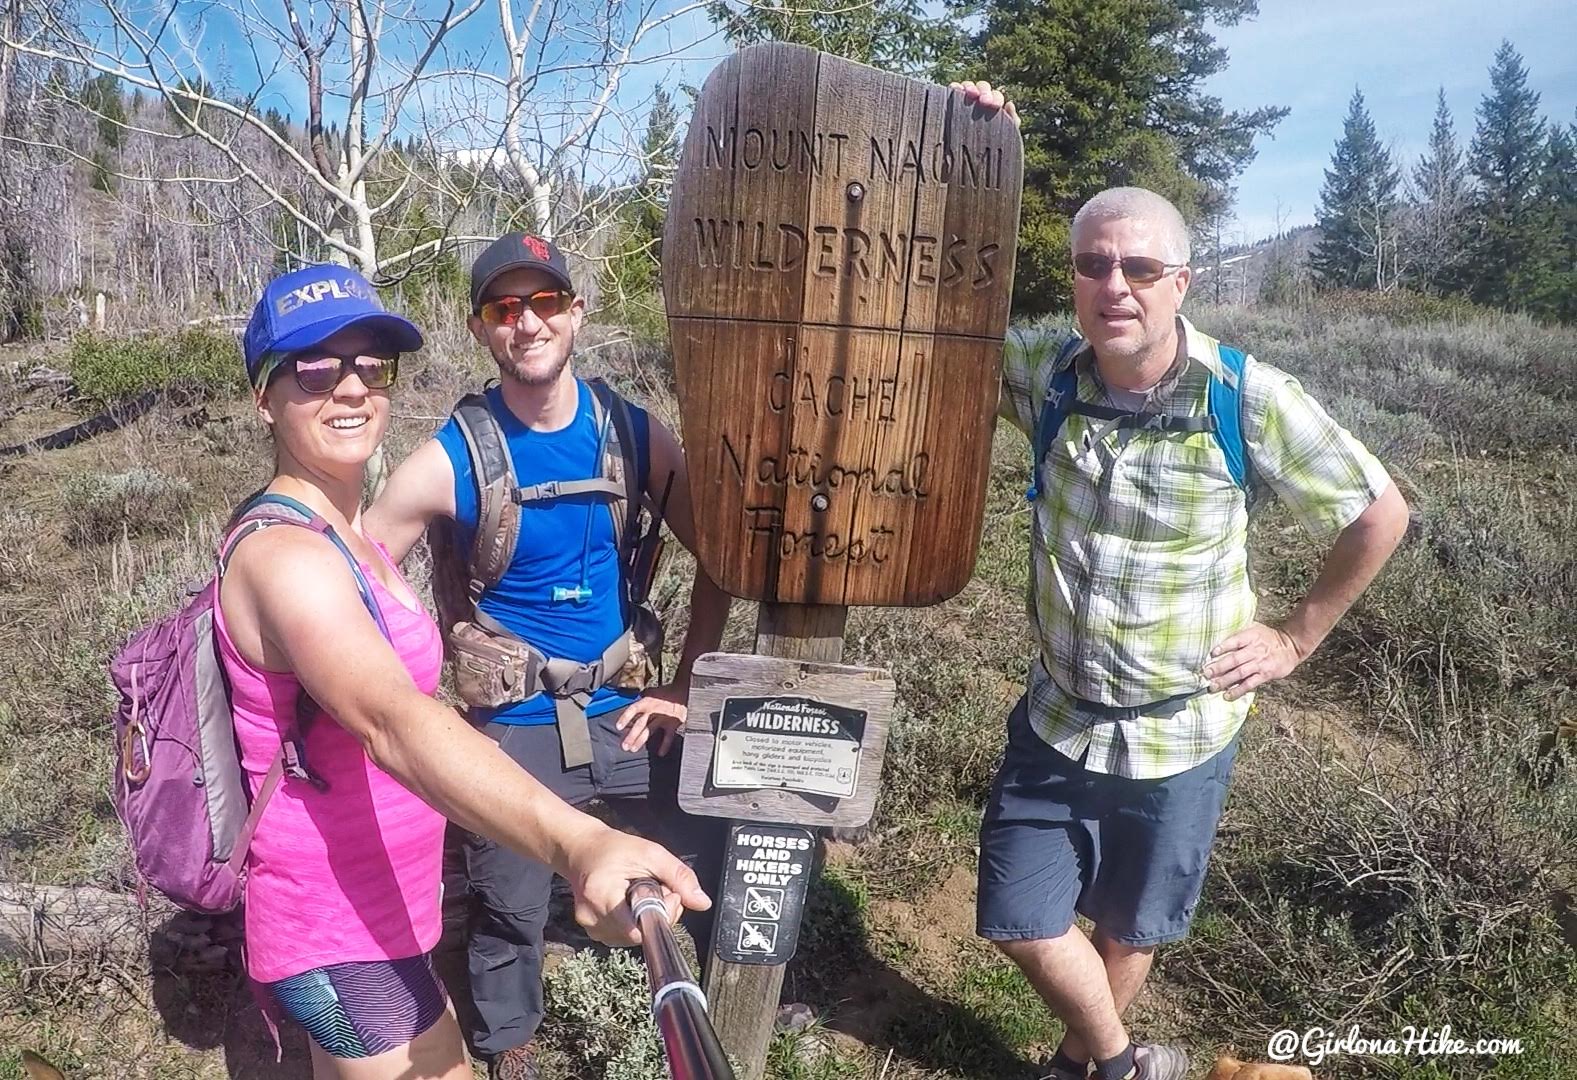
(495, 667)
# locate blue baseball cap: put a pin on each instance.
(308, 306)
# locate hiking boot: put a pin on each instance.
(1153, 1061)
(1055, 1073)
(516, 1063)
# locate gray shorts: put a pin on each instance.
(1058, 839)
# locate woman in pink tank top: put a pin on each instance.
(343, 879)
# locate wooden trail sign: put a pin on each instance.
(744, 996)
(837, 268)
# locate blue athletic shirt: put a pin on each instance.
(567, 542)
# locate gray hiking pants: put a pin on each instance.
(509, 893)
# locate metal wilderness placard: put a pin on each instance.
(772, 739)
(837, 268)
(795, 743)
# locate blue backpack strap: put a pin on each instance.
(1060, 395)
(1226, 405)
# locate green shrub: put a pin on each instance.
(11, 393)
(833, 936)
(1495, 384)
(18, 557)
(64, 829)
(100, 507)
(600, 1007)
(1400, 306)
(983, 1021)
(995, 991)
(1404, 886)
(640, 313)
(810, 1054)
(1485, 585)
(108, 369)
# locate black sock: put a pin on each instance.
(1120, 1067)
(1061, 1060)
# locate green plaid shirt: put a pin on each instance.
(1140, 551)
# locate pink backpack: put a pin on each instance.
(179, 788)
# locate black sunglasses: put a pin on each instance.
(1137, 269)
(319, 372)
(506, 310)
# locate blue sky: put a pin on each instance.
(1399, 52)
(1308, 56)
(467, 112)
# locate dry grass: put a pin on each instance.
(1410, 871)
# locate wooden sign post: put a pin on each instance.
(837, 269)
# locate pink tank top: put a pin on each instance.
(351, 872)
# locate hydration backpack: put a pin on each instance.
(179, 786)
(1223, 417)
(494, 667)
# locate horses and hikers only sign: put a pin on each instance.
(766, 871)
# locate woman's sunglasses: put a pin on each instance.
(1137, 269)
(320, 373)
(506, 310)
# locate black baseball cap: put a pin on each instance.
(517, 251)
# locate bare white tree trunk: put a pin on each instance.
(219, 190)
(333, 207)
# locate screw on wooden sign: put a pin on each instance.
(838, 264)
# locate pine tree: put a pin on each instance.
(1441, 197)
(1358, 209)
(629, 275)
(279, 122)
(1555, 294)
(1507, 155)
(898, 35)
(187, 94)
(101, 96)
(1110, 92)
(659, 158)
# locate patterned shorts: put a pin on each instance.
(358, 1010)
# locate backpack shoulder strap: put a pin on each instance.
(1226, 405)
(497, 511)
(1060, 396)
(270, 509)
(261, 512)
(621, 463)
(638, 550)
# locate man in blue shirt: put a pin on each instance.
(561, 593)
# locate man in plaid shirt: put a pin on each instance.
(1148, 650)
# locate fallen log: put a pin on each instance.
(55, 922)
(47, 378)
(111, 419)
